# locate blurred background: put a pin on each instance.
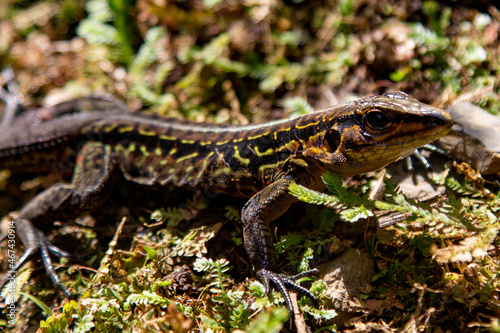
(225, 59)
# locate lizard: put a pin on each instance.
(258, 162)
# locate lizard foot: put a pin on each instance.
(283, 283)
(33, 240)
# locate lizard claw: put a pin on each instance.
(283, 283)
(33, 239)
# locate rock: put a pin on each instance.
(343, 277)
(475, 138)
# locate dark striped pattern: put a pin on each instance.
(234, 160)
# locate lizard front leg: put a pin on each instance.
(264, 207)
(91, 184)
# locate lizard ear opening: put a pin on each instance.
(332, 140)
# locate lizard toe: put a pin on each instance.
(284, 283)
(34, 240)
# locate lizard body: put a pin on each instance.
(257, 162)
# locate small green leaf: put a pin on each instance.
(152, 254)
(39, 303)
(85, 325)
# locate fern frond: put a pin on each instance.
(334, 184)
(148, 297)
(310, 196)
(356, 213)
(462, 187)
(297, 105)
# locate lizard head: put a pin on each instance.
(372, 132)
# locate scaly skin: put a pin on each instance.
(257, 162)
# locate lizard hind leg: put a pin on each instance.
(91, 184)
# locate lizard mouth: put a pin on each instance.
(377, 152)
(414, 132)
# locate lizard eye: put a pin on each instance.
(376, 119)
